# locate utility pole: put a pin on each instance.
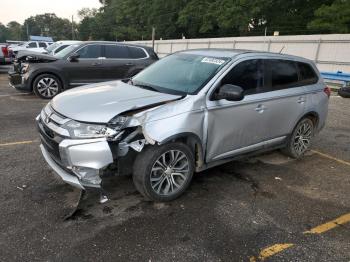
(72, 28)
(153, 36)
(27, 31)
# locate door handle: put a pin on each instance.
(301, 100)
(96, 64)
(260, 109)
(129, 64)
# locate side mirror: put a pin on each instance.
(74, 57)
(229, 92)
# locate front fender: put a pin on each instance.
(48, 70)
(164, 129)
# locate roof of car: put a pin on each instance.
(218, 52)
(120, 43)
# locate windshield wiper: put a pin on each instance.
(148, 87)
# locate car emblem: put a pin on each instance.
(47, 120)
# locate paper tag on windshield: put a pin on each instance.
(211, 60)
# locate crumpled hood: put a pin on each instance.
(99, 103)
(32, 56)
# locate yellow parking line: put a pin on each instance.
(17, 143)
(270, 251)
(277, 248)
(329, 225)
(331, 157)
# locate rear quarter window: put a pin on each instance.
(307, 74)
(137, 53)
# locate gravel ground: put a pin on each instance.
(230, 213)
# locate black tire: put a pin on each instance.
(292, 147)
(52, 88)
(146, 161)
(344, 92)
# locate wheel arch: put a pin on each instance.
(193, 141)
(59, 77)
(313, 115)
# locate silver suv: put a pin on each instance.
(188, 112)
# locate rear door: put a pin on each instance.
(88, 68)
(284, 97)
(118, 62)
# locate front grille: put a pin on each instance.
(51, 132)
(49, 141)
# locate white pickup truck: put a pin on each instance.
(35, 46)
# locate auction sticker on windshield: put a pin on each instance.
(211, 60)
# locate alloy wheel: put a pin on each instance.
(170, 173)
(47, 87)
(302, 139)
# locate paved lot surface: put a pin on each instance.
(243, 211)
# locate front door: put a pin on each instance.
(88, 68)
(238, 127)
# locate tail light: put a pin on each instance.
(327, 90)
(5, 51)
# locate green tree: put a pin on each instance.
(3, 33)
(334, 18)
(14, 30)
(48, 25)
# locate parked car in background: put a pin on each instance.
(4, 54)
(59, 46)
(78, 64)
(188, 112)
(35, 46)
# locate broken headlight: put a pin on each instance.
(83, 130)
(24, 68)
(119, 122)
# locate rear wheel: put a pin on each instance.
(300, 140)
(163, 173)
(47, 86)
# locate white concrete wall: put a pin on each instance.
(330, 52)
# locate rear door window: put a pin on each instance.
(281, 74)
(136, 52)
(41, 44)
(307, 74)
(32, 45)
(116, 52)
(90, 52)
(248, 75)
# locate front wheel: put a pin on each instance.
(300, 140)
(163, 173)
(47, 86)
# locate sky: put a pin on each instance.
(19, 10)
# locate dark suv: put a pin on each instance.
(80, 64)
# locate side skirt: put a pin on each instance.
(239, 157)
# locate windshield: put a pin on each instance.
(65, 51)
(180, 73)
(52, 47)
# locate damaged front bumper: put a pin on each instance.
(81, 162)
